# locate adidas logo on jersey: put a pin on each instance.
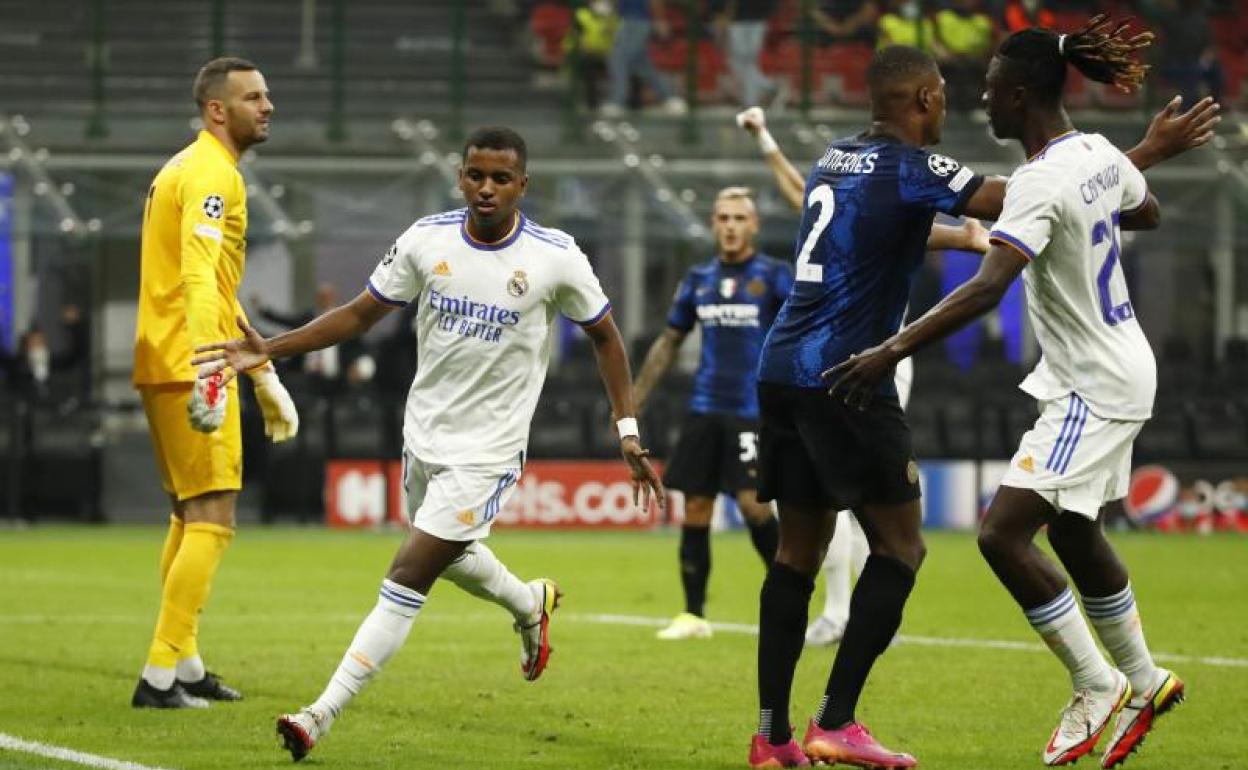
(442, 268)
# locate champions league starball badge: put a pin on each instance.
(214, 207)
(518, 284)
(942, 165)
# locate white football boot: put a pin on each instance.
(1084, 719)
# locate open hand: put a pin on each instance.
(1172, 134)
(858, 378)
(231, 358)
(646, 482)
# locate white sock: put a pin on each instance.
(191, 669)
(479, 572)
(1063, 628)
(159, 677)
(837, 566)
(1117, 622)
(380, 636)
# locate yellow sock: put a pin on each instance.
(186, 591)
(172, 540)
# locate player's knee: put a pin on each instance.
(994, 542)
(756, 514)
(911, 554)
(799, 556)
(698, 511)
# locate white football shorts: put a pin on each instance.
(457, 502)
(1074, 459)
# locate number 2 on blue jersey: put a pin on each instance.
(823, 196)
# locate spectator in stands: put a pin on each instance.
(903, 23)
(593, 29)
(333, 369)
(1021, 14)
(746, 24)
(846, 21)
(36, 373)
(1189, 57)
(964, 34)
(630, 55)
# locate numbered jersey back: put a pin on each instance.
(870, 201)
(1062, 210)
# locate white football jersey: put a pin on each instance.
(1061, 212)
(483, 330)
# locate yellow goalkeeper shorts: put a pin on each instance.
(193, 463)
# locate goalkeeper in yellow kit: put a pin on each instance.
(194, 224)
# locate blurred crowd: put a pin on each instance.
(750, 52)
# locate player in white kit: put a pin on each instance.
(1095, 381)
(489, 283)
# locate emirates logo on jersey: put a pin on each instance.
(518, 284)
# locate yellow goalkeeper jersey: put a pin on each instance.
(193, 250)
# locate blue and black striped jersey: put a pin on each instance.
(736, 304)
(870, 202)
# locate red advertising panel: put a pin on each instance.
(576, 494)
(550, 494)
(362, 493)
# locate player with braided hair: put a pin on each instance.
(1095, 382)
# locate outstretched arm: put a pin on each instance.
(613, 367)
(790, 181)
(858, 377)
(968, 237)
(658, 360)
(1169, 134)
(251, 350)
(971, 235)
(1172, 134)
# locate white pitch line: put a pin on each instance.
(13, 743)
(609, 619)
(922, 641)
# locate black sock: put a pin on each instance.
(783, 605)
(766, 537)
(695, 566)
(874, 617)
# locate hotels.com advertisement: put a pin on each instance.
(550, 495)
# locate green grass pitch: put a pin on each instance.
(77, 606)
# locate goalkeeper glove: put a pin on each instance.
(206, 408)
(281, 420)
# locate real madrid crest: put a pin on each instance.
(518, 284)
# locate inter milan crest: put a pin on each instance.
(756, 287)
(727, 287)
(214, 207)
(518, 284)
(942, 165)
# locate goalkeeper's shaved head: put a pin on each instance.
(907, 89)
